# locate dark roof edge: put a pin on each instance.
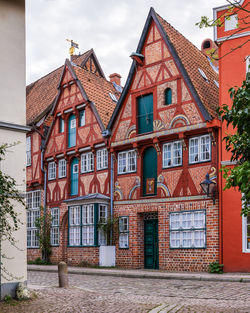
(186, 77)
(42, 114)
(152, 15)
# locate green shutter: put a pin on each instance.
(168, 96)
(149, 171)
(145, 113)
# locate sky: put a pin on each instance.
(111, 27)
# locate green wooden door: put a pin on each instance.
(151, 254)
(145, 113)
(149, 183)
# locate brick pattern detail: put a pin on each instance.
(153, 71)
(169, 259)
(153, 53)
(172, 179)
(102, 178)
(126, 183)
(161, 96)
(86, 180)
(192, 113)
(167, 116)
(172, 68)
(184, 92)
(122, 130)
(198, 175)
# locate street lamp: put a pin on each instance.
(208, 186)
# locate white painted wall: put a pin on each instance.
(12, 110)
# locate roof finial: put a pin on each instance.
(72, 48)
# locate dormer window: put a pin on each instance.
(231, 22)
(168, 96)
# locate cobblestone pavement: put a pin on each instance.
(90, 293)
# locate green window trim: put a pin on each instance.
(88, 225)
(145, 114)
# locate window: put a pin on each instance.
(83, 226)
(87, 162)
(82, 118)
(74, 226)
(126, 162)
(248, 64)
(102, 159)
(54, 232)
(61, 125)
(145, 113)
(200, 149)
(172, 154)
(74, 177)
(231, 22)
(102, 236)
(33, 199)
(168, 96)
(187, 229)
(61, 168)
(51, 170)
(71, 131)
(123, 232)
(246, 233)
(28, 151)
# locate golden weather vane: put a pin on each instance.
(72, 48)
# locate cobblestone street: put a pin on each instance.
(88, 293)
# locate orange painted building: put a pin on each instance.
(232, 38)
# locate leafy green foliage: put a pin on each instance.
(215, 268)
(44, 225)
(239, 142)
(111, 226)
(9, 220)
(39, 261)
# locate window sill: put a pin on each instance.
(199, 162)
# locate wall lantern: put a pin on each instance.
(208, 186)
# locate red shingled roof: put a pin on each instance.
(97, 89)
(192, 59)
(41, 93)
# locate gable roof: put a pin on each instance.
(41, 94)
(189, 59)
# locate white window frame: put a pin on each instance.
(28, 151)
(54, 231)
(245, 223)
(231, 22)
(87, 162)
(123, 232)
(102, 219)
(75, 225)
(51, 170)
(171, 146)
(61, 125)
(187, 229)
(199, 149)
(33, 202)
(248, 64)
(73, 123)
(124, 162)
(61, 168)
(102, 159)
(88, 225)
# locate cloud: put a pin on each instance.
(113, 28)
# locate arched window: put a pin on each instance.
(168, 96)
(74, 177)
(149, 172)
(72, 131)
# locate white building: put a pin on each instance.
(13, 129)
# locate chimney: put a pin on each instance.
(116, 78)
(210, 49)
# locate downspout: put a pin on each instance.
(111, 191)
(44, 186)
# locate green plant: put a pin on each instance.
(110, 228)
(39, 261)
(44, 225)
(9, 220)
(7, 298)
(215, 268)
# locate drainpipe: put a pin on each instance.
(111, 190)
(44, 187)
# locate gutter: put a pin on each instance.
(111, 191)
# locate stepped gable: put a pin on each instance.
(97, 89)
(192, 59)
(41, 93)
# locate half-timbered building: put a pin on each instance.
(164, 140)
(67, 172)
